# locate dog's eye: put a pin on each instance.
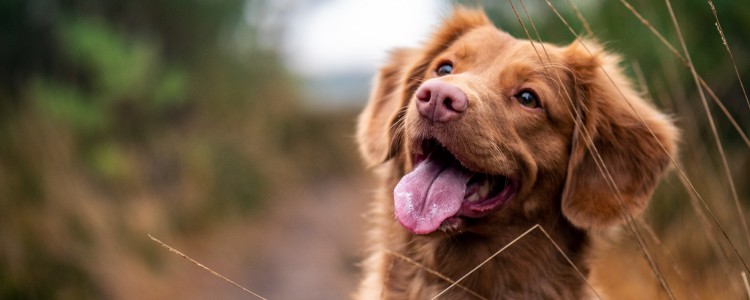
(444, 69)
(527, 98)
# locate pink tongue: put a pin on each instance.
(430, 194)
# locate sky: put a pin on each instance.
(335, 37)
(324, 38)
(336, 46)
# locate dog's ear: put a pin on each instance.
(377, 123)
(628, 140)
(380, 121)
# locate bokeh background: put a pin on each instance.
(225, 128)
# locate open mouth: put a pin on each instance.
(440, 192)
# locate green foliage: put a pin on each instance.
(68, 104)
(109, 161)
(120, 69)
(171, 89)
(116, 100)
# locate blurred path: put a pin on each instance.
(306, 246)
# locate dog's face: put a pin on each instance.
(486, 117)
(488, 129)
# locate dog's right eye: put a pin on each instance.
(444, 69)
(528, 98)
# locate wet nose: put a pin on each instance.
(440, 101)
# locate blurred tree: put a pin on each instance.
(106, 103)
(145, 97)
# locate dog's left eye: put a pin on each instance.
(527, 98)
(444, 69)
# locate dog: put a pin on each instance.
(476, 137)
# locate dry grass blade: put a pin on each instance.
(713, 216)
(679, 169)
(586, 25)
(175, 251)
(570, 262)
(642, 85)
(653, 30)
(597, 157)
(720, 255)
(537, 226)
(685, 62)
(673, 161)
(436, 273)
(387, 278)
(726, 45)
(720, 147)
(712, 239)
(725, 111)
(486, 261)
(570, 101)
(672, 260)
(747, 285)
(602, 167)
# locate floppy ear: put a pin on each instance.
(394, 85)
(375, 127)
(610, 127)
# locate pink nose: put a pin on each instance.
(440, 101)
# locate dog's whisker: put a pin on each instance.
(409, 242)
(397, 128)
(558, 86)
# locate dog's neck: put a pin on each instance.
(530, 268)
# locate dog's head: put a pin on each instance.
(486, 128)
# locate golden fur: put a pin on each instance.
(550, 152)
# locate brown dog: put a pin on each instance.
(479, 136)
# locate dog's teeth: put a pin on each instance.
(448, 227)
(483, 190)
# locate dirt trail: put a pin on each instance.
(306, 245)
